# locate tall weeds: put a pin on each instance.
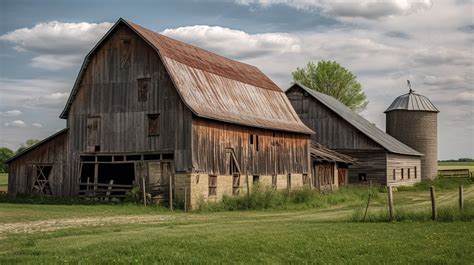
(264, 197)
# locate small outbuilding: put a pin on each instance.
(380, 157)
(329, 169)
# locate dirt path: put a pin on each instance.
(333, 213)
(57, 224)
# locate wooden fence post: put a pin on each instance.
(367, 207)
(248, 185)
(461, 197)
(144, 191)
(185, 199)
(433, 203)
(171, 192)
(390, 203)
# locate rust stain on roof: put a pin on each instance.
(205, 60)
(216, 87)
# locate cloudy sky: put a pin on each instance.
(384, 42)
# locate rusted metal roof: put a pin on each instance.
(218, 88)
(413, 102)
(364, 126)
(322, 153)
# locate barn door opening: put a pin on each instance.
(41, 185)
(342, 176)
(93, 134)
(106, 180)
(119, 173)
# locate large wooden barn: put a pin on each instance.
(145, 106)
(380, 157)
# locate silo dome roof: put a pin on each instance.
(412, 101)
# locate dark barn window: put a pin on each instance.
(126, 53)
(153, 124)
(256, 179)
(143, 87)
(212, 185)
(362, 177)
(256, 142)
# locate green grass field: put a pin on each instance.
(48, 233)
(456, 165)
(3, 179)
(3, 182)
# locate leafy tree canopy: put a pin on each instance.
(27, 144)
(331, 78)
(5, 153)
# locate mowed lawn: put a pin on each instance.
(104, 234)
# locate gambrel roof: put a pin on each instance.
(216, 87)
(364, 126)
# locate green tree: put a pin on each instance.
(331, 78)
(5, 153)
(28, 143)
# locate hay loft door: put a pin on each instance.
(93, 134)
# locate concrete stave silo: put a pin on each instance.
(412, 119)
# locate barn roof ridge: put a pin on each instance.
(193, 46)
(382, 138)
(45, 140)
(204, 80)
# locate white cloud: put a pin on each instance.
(369, 9)
(34, 93)
(37, 125)
(57, 44)
(11, 113)
(235, 43)
(15, 124)
(54, 62)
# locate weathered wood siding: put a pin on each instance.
(278, 152)
(22, 171)
(409, 164)
(109, 89)
(330, 129)
(372, 163)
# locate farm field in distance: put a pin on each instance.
(456, 165)
(129, 233)
(3, 182)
